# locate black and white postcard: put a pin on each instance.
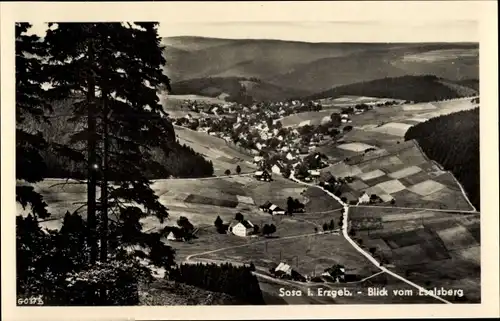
(222, 160)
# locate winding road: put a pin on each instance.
(359, 249)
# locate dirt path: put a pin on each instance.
(360, 250)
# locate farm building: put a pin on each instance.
(258, 159)
(314, 173)
(265, 207)
(336, 272)
(176, 235)
(284, 268)
(276, 210)
(276, 169)
(364, 199)
(243, 228)
(263, 176)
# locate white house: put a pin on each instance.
(344, 115)
(285, 268)
(289, 156)
(175, 235)
(257, 159)
(276, 169)
(314, 172)
(363, 199)
(325, 120)
(243, 228)
(344, 120)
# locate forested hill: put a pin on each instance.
(179, 161)
(453, 141)
(410, 88)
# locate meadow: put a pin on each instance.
(435, 249)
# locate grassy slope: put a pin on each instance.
(412, 88)
(443, 140)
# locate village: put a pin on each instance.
(277, 150)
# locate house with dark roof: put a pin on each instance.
(276, 210)
(263, 175)
(265, 207)
(176, 234)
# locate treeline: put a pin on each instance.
(237, 281)
(411, 88)
(453, 141)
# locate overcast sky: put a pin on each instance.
(335, 31)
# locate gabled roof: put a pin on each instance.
(266, 205)
(284, 267)
(245, 223)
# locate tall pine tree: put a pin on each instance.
(30, 107)
(110, 71)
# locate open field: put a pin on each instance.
(355, 147)
(201, 201)
(346, 101)
(216, 150)
(400, 172)
(307, 255)
(436, 248)
(312, 118)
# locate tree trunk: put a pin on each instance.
(104, 182)
(91, 150)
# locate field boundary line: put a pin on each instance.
(418, 209)
(189, 257)
(363, 252)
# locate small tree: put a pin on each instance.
(315, 230)
(238, 170)
(332, 225)
(325, 227)
(372, 250)
(393, 202)
(256, 229)
(227, 172)
(272, 229)
(183, 222)
(218, 222)
(239, 217)
(290, 204)
(265, 230)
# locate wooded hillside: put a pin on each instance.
(453, 141)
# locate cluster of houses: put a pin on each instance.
(334, 274)
(258, 130)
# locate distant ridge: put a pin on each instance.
(308, 67)
(411, 88)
